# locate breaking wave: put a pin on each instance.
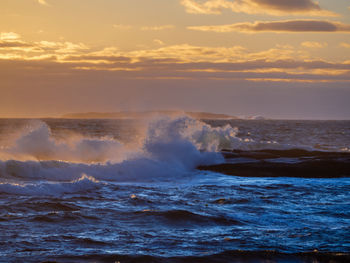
(162, 137)
(83, 184)
(167, 147)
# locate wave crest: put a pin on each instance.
(83, 184)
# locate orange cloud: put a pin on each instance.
(11, 41)
(157, 28)
(272, 7)
(61, 47)
(158, 42)
(289, 26)
(9, 36)
(42, 2)
(13, 47)
(167, 62)
(314, 44)
(346, 45)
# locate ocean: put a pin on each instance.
(97, 190)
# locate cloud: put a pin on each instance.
(314, 44)
(256, 70)
(9, 36)
(281, 63)
(157, 28)
(346, 45)
(143, 28)
(278, 26)
(61, 47)
(158, 42)
(272, 7)
(11, 44)
(186, 53)
(42, 2)
(12, 41)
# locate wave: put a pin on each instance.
(36, 142)
(159, 138)
(184, 217)
(167, 147)
(138, 169)
(83, 184)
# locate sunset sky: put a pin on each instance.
(275, 58)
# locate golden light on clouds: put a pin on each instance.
(159, 42)
(157, 28)
(42, 2)
(122, 47)
(271, 7)
(346, 45)
(9, 36)
(314, 44)
(288, 26)
(177, 60)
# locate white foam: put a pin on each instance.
(167, 147)
(37, 143)
(84, 183)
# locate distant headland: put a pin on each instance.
(144, 114)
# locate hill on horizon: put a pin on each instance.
(143, 114)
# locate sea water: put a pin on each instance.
(86, 188)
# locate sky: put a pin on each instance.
(272, 58)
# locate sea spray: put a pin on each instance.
(168, 147)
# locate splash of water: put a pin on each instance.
(169, 146)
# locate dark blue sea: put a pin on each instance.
(129, 191)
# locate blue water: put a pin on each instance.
(59, 208)
(201, 213)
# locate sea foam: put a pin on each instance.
(83, 184)
(168, 147)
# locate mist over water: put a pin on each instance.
(130, 187)
(174, 145)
